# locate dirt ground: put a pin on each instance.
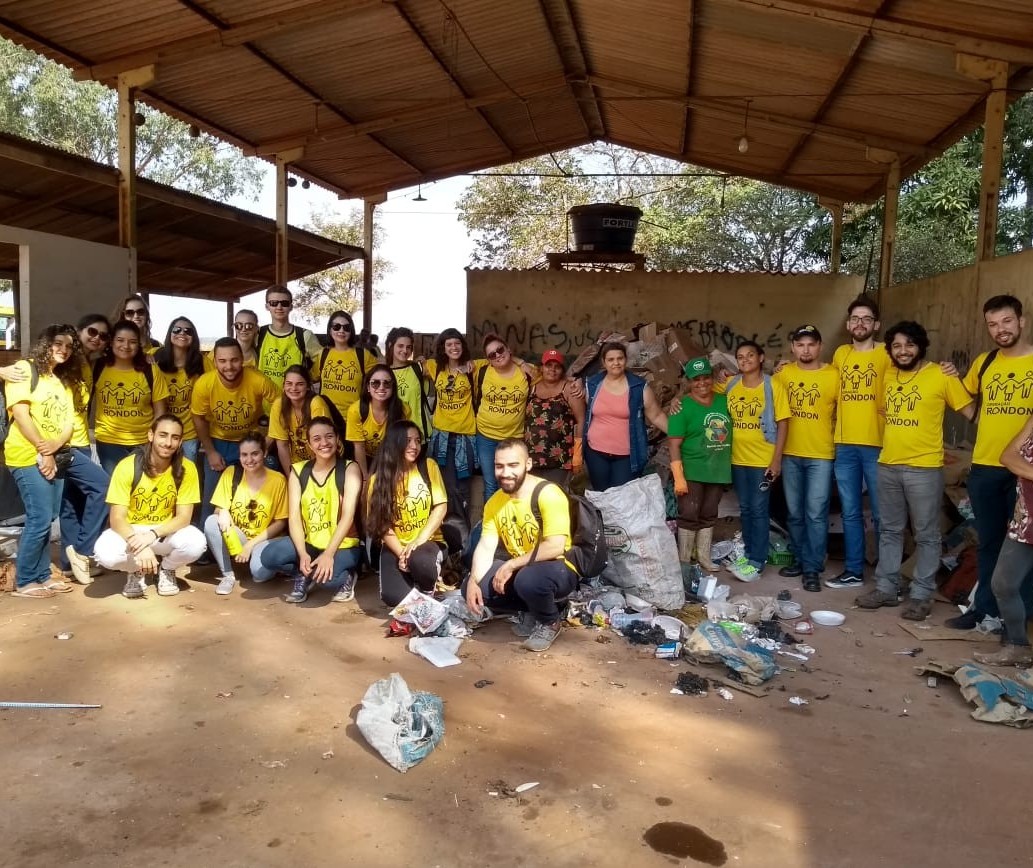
(217, 712)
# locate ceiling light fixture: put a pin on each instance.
(744, 142)
(419, 197)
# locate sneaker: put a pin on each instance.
(917, 610)
(136, 586)
(845, 579)
(793, 571)
(80, 566)
(744, 571)
(875, 598)
(966, 621)
(167, 585)
(1009, 655)
(345, 593)
(524, 624)
(226, 585)
(299, 593)
(543, 636)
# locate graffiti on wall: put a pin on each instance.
(716, 335)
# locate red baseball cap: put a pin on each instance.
(553, 356)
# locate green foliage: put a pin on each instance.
(40, 101)
(340, 287)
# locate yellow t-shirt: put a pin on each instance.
(914, 403)
(320, 509)
(152, 501)
(340, 379)
(812, 409)
(859, 421)
(279, 352)
(510, 520)
(746, 406)
(415, 502)
(409, 385)
(231, 413)
(50, 406)
(81, 409)
(252, 511)
(369, 432)
(181, 387)
(1007, 388)
(453, 412)
(503, 404)
(124, 404)
(297, 436)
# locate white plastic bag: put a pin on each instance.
(643, 553)
(403, 726)
(421, 610)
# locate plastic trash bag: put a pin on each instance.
(421, 610)
(643, 552)
(403, 726)
(748, 661)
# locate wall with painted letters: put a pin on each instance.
(537, 310)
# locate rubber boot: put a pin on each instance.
(686, 541)
(703, 539)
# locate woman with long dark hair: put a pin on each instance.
(129, 393)
(42, 408)
(181, 361)
(342, 366)
(290, 414)
(409, 381)
(369, 417)
(134, 309)
(407, 504)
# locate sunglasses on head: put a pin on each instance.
(183, 330)
(244, 326)
(340, 327)
(497, 353)
(450, 384)
(133, 312)
(96, 333)
(279, 302)
(381, 384)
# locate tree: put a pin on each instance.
(40, 101)
(340, 287)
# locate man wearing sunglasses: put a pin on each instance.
(281, 344)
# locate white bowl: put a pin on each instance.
(827, 618)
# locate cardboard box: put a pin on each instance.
(681, 346)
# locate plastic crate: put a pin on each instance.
(780, 559)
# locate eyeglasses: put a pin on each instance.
(279, 302)
(340, 327)
(497, 353)
(96, 334)
(134, 312)
(183, 330)
(381, 384)
(857, 320)
(244, 326)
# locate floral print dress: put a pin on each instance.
(549, 432)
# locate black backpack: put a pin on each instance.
(587, 552)
(138, 472)
(978, 402)
(5, 420)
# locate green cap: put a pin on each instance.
(697, 367)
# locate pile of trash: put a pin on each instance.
(436, 627)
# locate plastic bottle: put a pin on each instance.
(620, 620)
(233, 544)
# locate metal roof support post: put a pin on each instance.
(368, 207)
(230, 331)
(283, 159)
(835, 208)
(128, 83)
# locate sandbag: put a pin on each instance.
(643, 553)
(403, 726)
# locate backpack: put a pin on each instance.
(5, 419)
(299, 337)
(587, 552)
(990, 356)
(339, 470)
(98, 368)
(481, 374)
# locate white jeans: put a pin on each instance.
(183, 547)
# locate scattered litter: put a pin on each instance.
(998, 698)
(909, 652)
(484, 682)
(275, 764)
(931, 681)
(668, 651)
(603, 638)
(523, 788)
(616, 684)
(328, 754)
(690, 684)
(712, 643)
(403, 726)
(225, 695)
(63, 635)
(725, 694)
(596, 787)
(642, 633)
(47, 705)
(439, 650)
(426, 613)
(396, 797)
(798, 700)
(803, 626)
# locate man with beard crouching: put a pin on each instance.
(536, 575)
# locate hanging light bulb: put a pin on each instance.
(744, 145)
(744, 141)
(419, 197)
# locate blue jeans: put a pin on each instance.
(807, 483)
(606, 471)
(217, 546)
(42, 500)
(230, 452)
(84, 509)
(852, 464)
(991, 491)
(280, 556)
(485, 447)
(753, 512)
(109, 454)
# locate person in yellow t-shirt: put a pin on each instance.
(536, 577)
(129, 393)
(226, 404)
(369, 417)
(152, 497)
(915, 395)
(409, 380)
(250, 504)
(812, 388)
(36, 451)
(407, 504)
(323, 548)
(290, 414)
(340, 368)
(134, 309)
(181, 361)
(281, 344)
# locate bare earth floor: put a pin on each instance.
(217, 713)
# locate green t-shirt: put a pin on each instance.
(706, 451)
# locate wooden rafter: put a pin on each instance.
(566, 38)
(690, 50)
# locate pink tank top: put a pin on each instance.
(610, 430)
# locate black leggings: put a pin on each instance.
(424, 569)
(536, 588)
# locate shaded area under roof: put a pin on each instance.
(382, 94)
(187, 245)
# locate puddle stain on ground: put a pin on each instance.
(683, 840)
(663, 801)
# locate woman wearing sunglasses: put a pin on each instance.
(134, 309)
(369, 417)
(250, 506)
(181, 361)
(129, 393)
(290, 414)
(341, 367)
(245, 330)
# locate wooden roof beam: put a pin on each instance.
(689, 60)
(952, 40)
(563, 30)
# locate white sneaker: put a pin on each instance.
(167, 586)
(81, 567)
(226, 585)
(136, 586)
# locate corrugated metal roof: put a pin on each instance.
(382, 94)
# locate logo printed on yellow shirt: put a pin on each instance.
(249, 517)
(275, 361)
(119, 395)
(160, 501)
(896, 400)
(318, 515)
(232, 413)
(800, 395)
(179, 393)
(338, 371)
(853, 377)
(518, 532)
(740, 406)
(413, 505)
(1001, 389)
